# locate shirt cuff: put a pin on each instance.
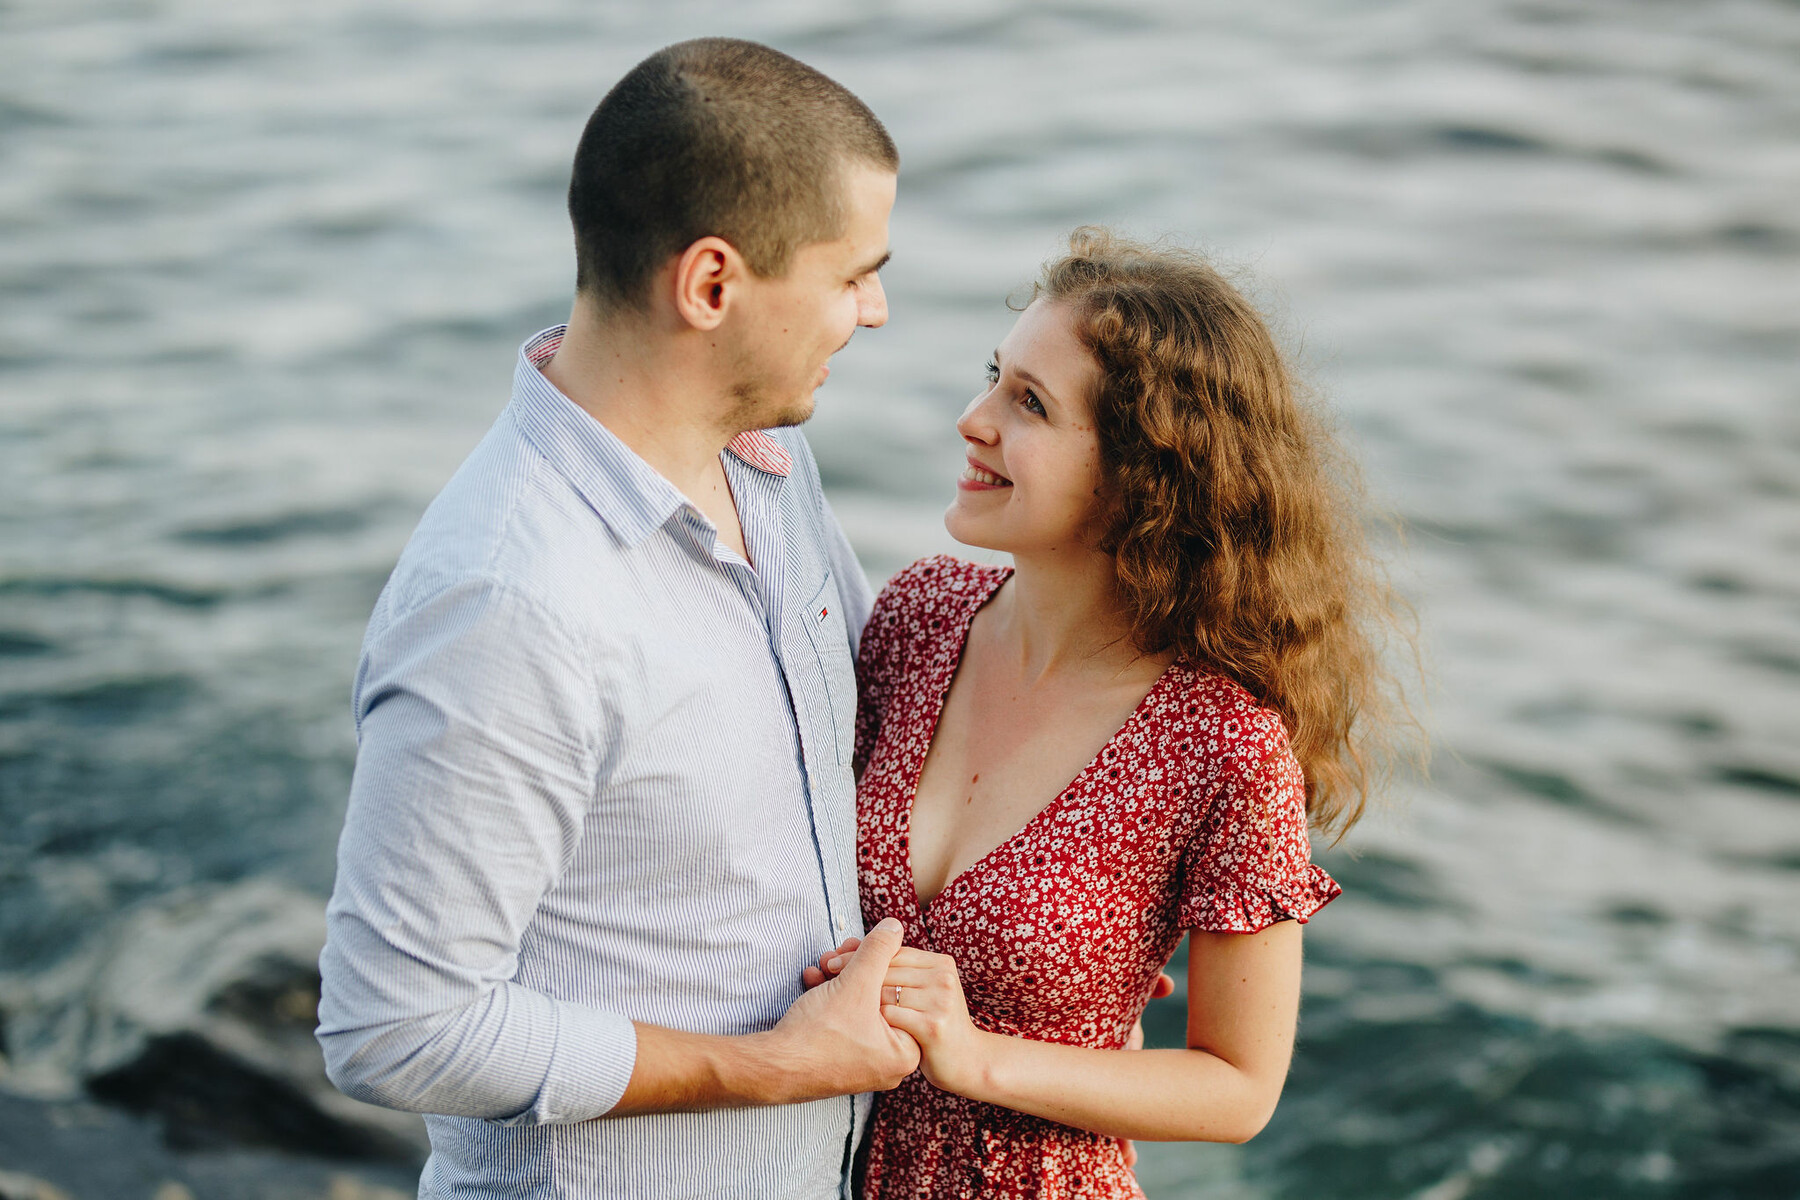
(589, 1068)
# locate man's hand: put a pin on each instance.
(833, 1039)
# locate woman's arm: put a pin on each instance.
(1243, 1002)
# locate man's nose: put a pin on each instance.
(871, 304)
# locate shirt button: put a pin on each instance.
(840, 924)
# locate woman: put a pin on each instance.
(1065, 765)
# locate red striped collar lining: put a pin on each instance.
(762, 452)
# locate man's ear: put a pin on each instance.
(705, 276)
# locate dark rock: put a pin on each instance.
(207, 1099)
(198, 1009)
(92, 1151)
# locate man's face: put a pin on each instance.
(791, 326)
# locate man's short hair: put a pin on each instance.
(714, 137)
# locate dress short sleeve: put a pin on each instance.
(1250, 864)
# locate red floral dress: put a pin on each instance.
(1191, 817)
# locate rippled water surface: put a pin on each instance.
(263, 269)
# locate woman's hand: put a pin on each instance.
(922, 995)
(830, 963)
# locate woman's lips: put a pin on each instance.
(976, 478)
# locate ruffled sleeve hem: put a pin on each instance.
(1241, 909)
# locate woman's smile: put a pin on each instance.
(977, 478)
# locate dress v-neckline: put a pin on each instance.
(956, 644)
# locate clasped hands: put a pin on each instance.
(921, 997)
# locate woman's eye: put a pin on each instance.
(1033, 404)
(993, 372)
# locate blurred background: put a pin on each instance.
(263, 271)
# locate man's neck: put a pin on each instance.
(636, 379)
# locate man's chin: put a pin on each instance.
(759, 408)
(794, 412)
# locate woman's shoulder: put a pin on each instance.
(1221, 723)
(939, 585)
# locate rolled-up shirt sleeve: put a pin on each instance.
(482, 740)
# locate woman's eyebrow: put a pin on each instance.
(1033, 380)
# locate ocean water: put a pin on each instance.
(263, 269)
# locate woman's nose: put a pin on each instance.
(974, 424)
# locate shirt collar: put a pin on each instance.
(762, 452)
(622, 488)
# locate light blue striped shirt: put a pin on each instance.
(603, 775)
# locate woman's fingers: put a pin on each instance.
(911, 977)
(863, 970)
(910, 956)
(909, 968)
(830, 963)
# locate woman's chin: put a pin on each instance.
(970, 531)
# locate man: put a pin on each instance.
(603, 813)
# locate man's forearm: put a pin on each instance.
(695, 1072)
(831, 1042)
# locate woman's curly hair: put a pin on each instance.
(1235, 520)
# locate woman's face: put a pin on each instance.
(1033, 470)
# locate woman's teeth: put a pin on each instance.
(977, 475)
